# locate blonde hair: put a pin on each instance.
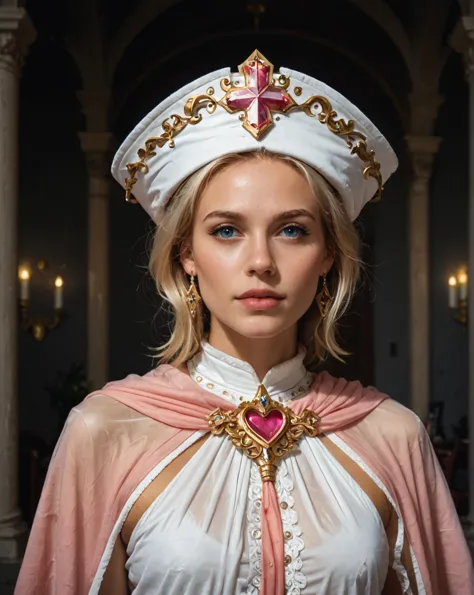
(317, 334)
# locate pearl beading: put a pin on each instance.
(299, 390)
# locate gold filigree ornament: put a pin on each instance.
(355, 141)
(192, 298)
(172, 126)
(324, 299)
(264, 429)
(258, 99)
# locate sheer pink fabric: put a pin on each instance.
(110, 443)
(273, 568)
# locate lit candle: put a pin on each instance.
(58, 293)
(462, 280)
(453, 292)
(24, 284)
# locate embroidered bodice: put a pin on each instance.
(202, 534)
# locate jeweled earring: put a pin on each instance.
(192, 298)
(324, 299)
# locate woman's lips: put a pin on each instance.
(260, 303)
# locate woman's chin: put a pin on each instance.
(260, 328)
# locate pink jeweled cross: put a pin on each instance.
(259, 98)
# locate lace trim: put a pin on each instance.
(295, 580)
(397, 561)
(254, 517)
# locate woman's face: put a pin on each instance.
(257, 248)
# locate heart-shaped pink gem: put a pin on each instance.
(265, 427)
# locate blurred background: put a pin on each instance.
(76, 303)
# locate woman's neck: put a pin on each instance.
(261, 353)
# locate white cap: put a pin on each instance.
(288, 113)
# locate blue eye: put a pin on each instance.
(294, 231)
(226, 232)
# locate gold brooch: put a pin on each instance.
(264, 429)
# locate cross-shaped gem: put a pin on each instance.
(259, 98)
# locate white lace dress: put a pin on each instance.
(202, 535)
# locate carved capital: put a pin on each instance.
(425, 104)
(422, 165)
(96, 105)
(16, 34)
(96, 146)
(98, 164)
(10, 54)
(423, 150)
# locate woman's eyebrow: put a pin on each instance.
(235, 216)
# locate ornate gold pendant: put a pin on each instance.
(264, 429)
(193, 298)
(324, 300)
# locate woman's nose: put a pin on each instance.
(260, 258)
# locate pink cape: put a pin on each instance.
(118, 435)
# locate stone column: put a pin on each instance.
(96, 147)
(15, 35)
(423, 150)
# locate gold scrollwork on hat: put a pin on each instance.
(355, 141)
(172, 126)
(270, 96)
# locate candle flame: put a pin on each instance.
(453, 281)
(59, 282)
(462, 278)
(24, 274)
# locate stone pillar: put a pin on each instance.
(96, 147)
(16, 33)
(423, 150)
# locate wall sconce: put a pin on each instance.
(39, 326)
(458, 294)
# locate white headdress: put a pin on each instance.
(223, 112)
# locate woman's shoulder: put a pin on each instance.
(389, 417)
(101, 420)
(95, 413)
(396, 423)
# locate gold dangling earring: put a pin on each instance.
(192, 298)
(324, 299)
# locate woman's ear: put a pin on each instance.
(186, 258)
(328, 262)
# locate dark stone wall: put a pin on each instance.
(52, 223)
(449, 245)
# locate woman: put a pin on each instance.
(230, 468)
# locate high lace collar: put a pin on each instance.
(236, 380)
